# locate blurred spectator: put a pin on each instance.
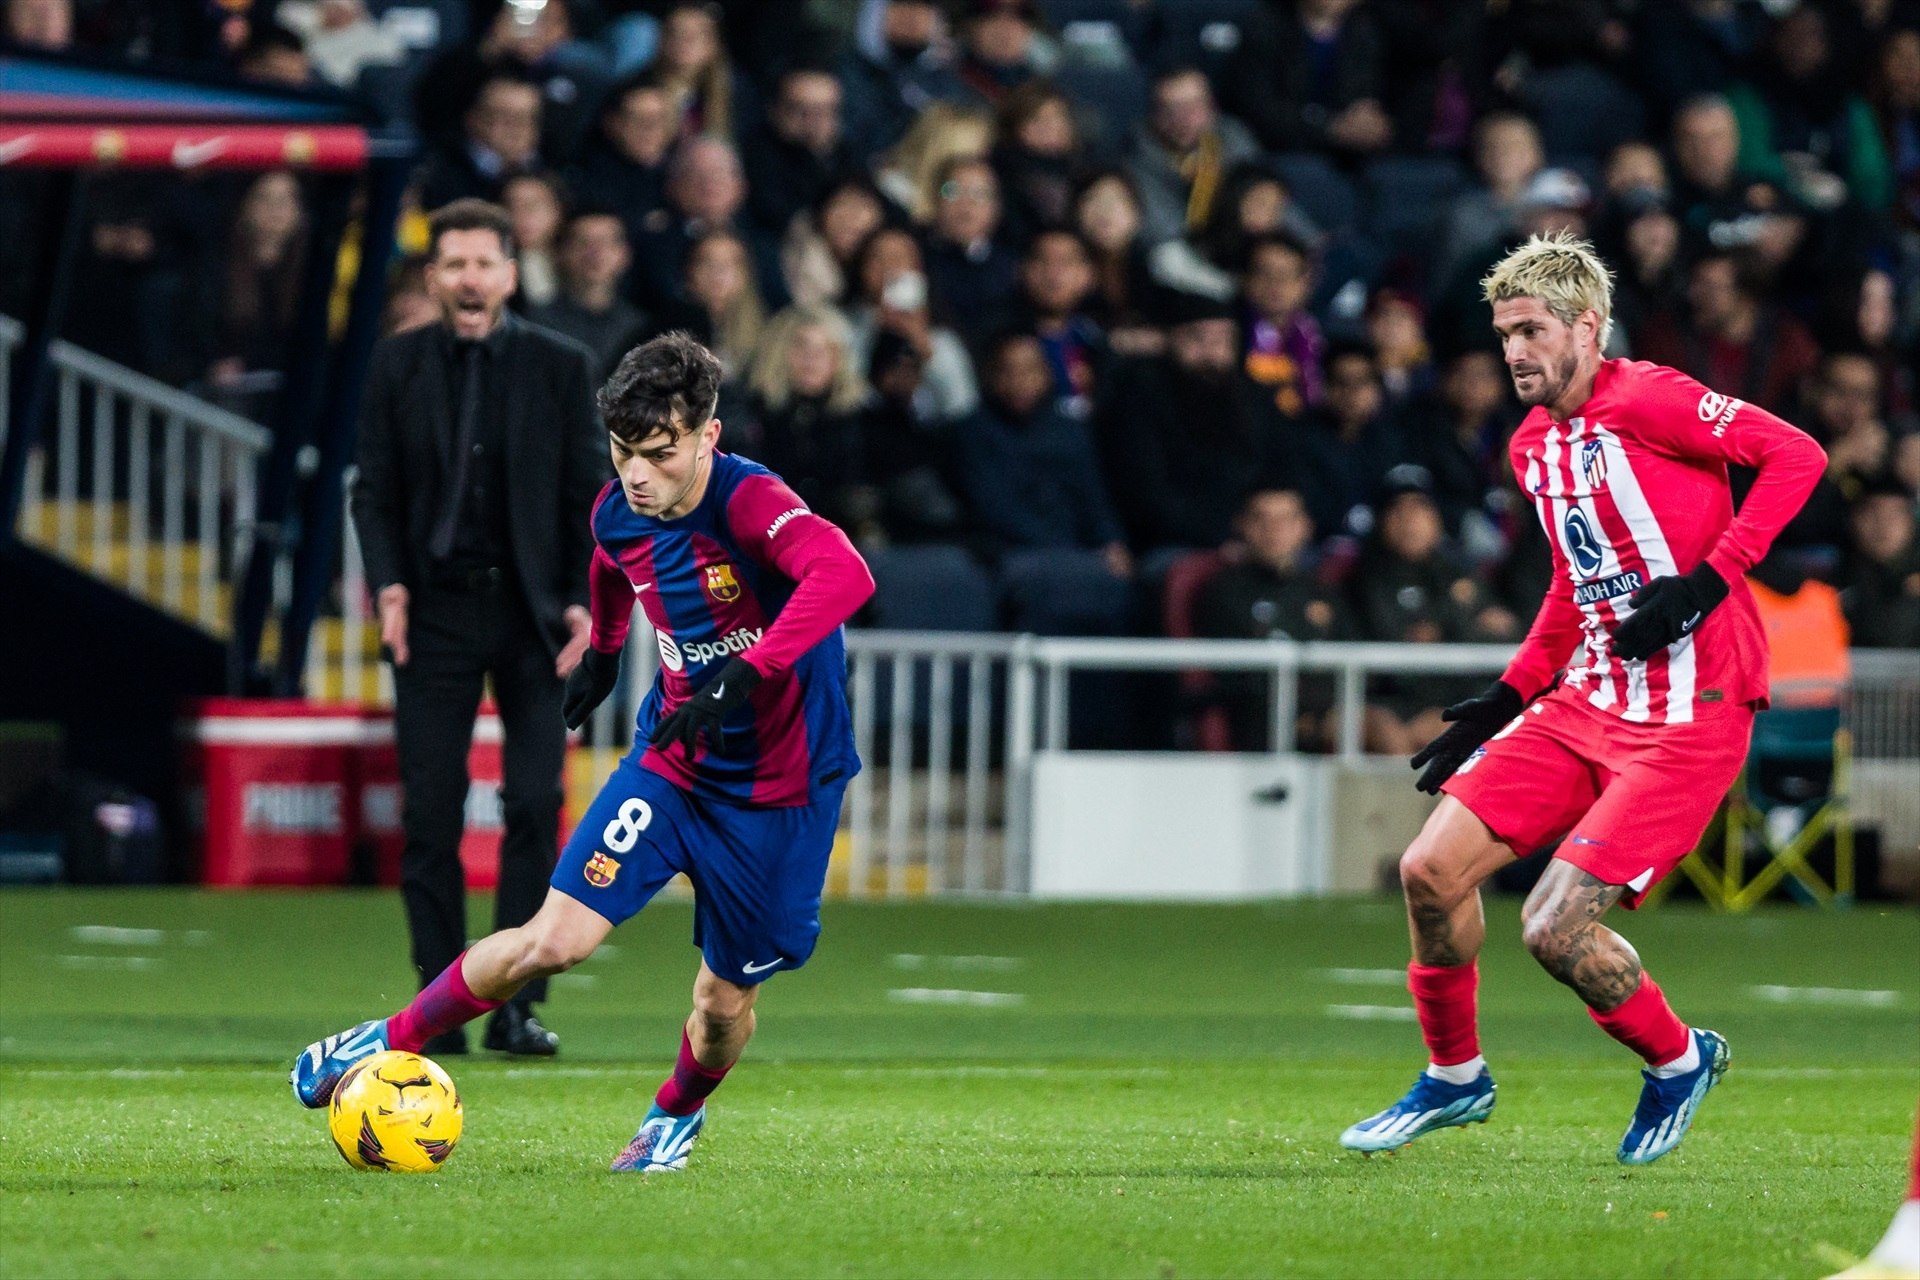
(1034, 484)
(1506, 156)
(1311, 77)
(1843, 413)
(1409, 589)
(572, 75)
(1182, 154)
(1347, 444)
(1036, 153)
(1688, 47)
(1459, 434)
(409, 303)
(699, 78)
(1719, 206)
(500, 137)
(274, 55)
(1272, 593)
(1396, 329)
(796, 153)
(1253, 202)
(537, 207)
(1107, 212)
(259, 292)
(593, 258)
(1803, 126)
(1896, 105)
(1642, 238)
(1056, 279)
(336, 39)
(1002, 47)
(1733, 338)
(816, 257)
(893, 299)
(1187, 436)
(1635, 166)
(723, 306)
(1284, 345)
(807, 394)
(623, 166)
(901, 63)
(40, 24)
(1881, 588)
(706, 192)
(972, 274)
(906, 450)
(1863, 314)
(909, 174)
(1555, 200)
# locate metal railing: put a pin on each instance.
(139, 483)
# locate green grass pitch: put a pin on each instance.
(949, 1090)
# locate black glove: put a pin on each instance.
(1667, 610)
(1474, 721)
(589, 685)
(717, 699)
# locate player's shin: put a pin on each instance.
(444, 1004)
(1446, 998)
(686, 1090)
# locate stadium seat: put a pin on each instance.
(1207, 728)
(930, 588)
(1792, 796)
(1407, 198)
(1202, 33)
(1328, 196)
(1582, 112)
(1115, 96)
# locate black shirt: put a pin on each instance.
(480, 529)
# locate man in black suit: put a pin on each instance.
(479, 460)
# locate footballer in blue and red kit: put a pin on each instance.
(742, 749)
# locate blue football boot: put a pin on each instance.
(316, 1072)
(1666, 1106)
(1431, 1104)
(662, 1144)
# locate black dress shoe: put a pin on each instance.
(448, 1044)
(513, 1029)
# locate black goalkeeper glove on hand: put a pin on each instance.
(589, 685)
(1667, 610)
(717, 699)
(1474, 721)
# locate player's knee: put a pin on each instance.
(1424, 873)
(1545, 941)
(721, 1006)
(551, 951)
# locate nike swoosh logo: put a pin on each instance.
(759, 968)
(188, 155)
(717, 691)
(645, 586)
(1584, 840)
(15, 148)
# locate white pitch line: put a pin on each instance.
(948, 995)
(1366, 977)
(1856, 997)
(1372, 1012)
(960, 964)
(107, 935)
(574, 979)
(122, 964)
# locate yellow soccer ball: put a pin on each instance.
(395, 1112)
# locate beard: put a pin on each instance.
(1550, 382)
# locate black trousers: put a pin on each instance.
(459, 639)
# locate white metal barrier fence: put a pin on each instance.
(151, 489)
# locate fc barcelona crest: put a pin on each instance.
(721, 584)
(600, 870)
(1593, 463)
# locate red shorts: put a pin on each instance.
(1628, 800)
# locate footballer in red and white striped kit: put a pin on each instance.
(1622, 759)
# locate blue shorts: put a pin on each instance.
(757, 873)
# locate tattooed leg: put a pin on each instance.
(1563, 931)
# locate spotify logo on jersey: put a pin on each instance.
(669, 652)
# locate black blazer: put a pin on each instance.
(556, 462)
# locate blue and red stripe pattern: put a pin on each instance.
(716, 584)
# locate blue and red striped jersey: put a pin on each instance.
(749, 572)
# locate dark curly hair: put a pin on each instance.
(669, 383)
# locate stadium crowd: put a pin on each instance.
(1119, 316)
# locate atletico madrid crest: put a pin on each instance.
(1593, 463)
(600, 870)
(721, 584)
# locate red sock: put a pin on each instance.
(443, 1004)
(1645, 1024)
(687, 1088)
(1445, 999)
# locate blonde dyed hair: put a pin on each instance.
(942, 133)
(1562, 272)
(768, 377)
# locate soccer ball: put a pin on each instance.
(395, 1112)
